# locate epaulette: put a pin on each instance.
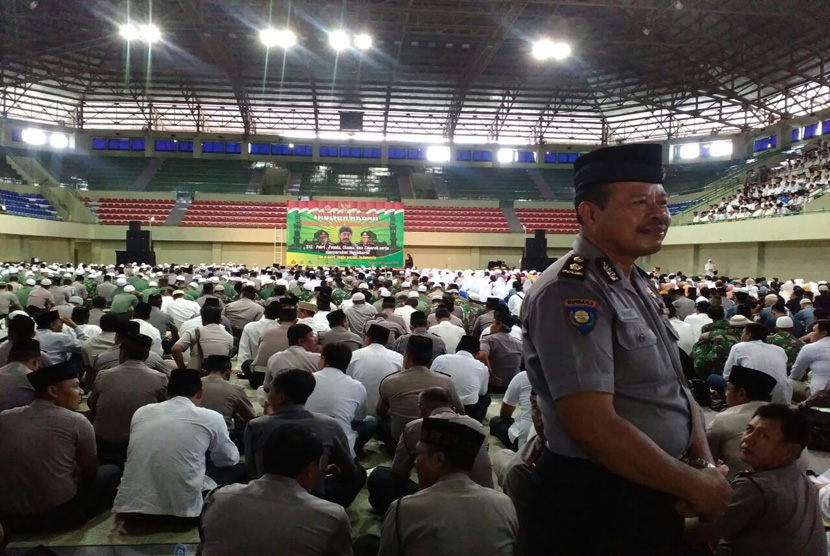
(606, 268)
(575, 267)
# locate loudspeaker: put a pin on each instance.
(139, 247)
(536, 248)
(540, 234)
(538, 264)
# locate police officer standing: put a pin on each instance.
(627, 456)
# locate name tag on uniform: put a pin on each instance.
(628, 314)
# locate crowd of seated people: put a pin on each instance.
(406, 359)
(777, 191)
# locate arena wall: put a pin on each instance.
(795, 246)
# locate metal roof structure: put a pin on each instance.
(451, 69)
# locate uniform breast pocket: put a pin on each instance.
(636, 360)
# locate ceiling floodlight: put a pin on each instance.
(58, 141)
(339, 40)
(363, 41)
(437, 153)
(546, 49)
(720, 148)
(690, 151)
(33, 136)
(283, 38)
(149, 33)
(129, 32)
(505, 156)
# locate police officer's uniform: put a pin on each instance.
(589, 329)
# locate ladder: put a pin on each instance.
(279, 240)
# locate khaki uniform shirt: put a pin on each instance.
(39, 456)
(213, 339)
(405, 453)
(15, 388)
(505, 354)
(272, 341)
(118, 393)
(772, 513)
(588, 329)
(294, 357)
(242, 312)
(358, 314)
(438, 345)
(454, 512)
(246, 519)
(399, 395)
(482, 322)
(724, 435)
(41, 298)
(340, 334)
(228, 399)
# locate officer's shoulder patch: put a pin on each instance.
(575, 267)
(606, 268)
(581, 314)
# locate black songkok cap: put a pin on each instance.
(53, 374)
(464, 441)
(640, 163)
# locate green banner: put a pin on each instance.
(324, 233)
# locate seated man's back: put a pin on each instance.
(165, 471)
(276, 514)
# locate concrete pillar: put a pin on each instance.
(783, 130)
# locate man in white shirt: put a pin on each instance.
(251, 334)
(450, 333)
(181, 309)
(753, 352)
(469, 375)
(209, 339)
(513, 434)
(59, 346)
(371, 364)
(166, 470)
(514, 304)
(305, 313)
(685, 331)
(341, 397)
(406, 310)
(141, 314)
(699, 318)
(815, 357)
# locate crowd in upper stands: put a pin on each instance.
(406, 359)
(778, 191)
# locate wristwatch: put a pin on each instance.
(698, 463)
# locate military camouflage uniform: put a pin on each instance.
(790, 345)
(711, 351)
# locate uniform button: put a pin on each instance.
(642, 337)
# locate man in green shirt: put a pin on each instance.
(784, 339)
(124, 302)
(24, 291)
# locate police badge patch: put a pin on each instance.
(581, 314)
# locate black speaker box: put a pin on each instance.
(536, 248)
(538, 264)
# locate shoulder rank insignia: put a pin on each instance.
(574, 267)
(607, 270)
(581, 314)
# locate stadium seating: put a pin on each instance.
(455, 219)
(205, 176)
(504, 184)
(7, 173)
(553, 221)
(69, 170)
(346, 180)
(235, 214)
(32, 205)
(560, 181)
(113, 173)
(685, 178)
(677, 208)
(119, 212)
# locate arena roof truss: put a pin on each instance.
(438, 69)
